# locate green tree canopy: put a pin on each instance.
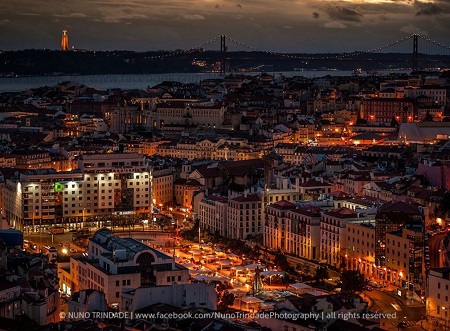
(321, 274)
(353, 281)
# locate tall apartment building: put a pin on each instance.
(163, 180)
(292, 229)
(333, 234)
(244, 216)
(359, 252)
(103, 185)
(404, 258)
(393, 216)
(213, 214)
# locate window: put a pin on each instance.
(124, 282)
(128, 282)
(168, 279)
(117, 294)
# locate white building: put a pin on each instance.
(213, 214)
(180, 295)
(87, 301)
(438, 296)
(114, 263)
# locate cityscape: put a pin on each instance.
(250, 199)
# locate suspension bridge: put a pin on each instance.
(414, 52)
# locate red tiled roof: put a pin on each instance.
(249, 198)
(283, 204)
(342, 212)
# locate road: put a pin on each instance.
(435, 255)
(43, 239)
(388, 302)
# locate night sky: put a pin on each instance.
(278, 25)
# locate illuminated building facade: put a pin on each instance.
(383, 110)
(104, 185)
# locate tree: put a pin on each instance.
(321, 274)
(445, 204)
(394, 122)
(352, 281)
(226, 301)
(282, 262)
(428, 117)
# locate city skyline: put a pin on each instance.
(283, 25)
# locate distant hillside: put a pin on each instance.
(44, 62)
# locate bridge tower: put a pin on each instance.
(223, 51)
(415, 61)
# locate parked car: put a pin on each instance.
(402, 324)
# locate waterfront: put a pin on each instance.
(103, 82)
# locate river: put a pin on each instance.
(104, 82)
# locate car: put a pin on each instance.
(402, 324)
(368, 288)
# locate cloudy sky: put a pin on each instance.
(278, 25)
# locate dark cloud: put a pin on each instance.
(432, 9)
(343, 14)
(239, 5)
(316, 15)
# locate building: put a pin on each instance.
(436, 173)
(184, 191)
(10, 299)
(292, 229)
(128, 118)
(404, 259)
(199, 295)
(213, 214)
(384, 110)
(359, 253)
(163, 186)
(104, 185)
(438, 295)
(333, 234)
(244, 216)
(87, 301)
(114, 263)
(392, 217)
(208, 115)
